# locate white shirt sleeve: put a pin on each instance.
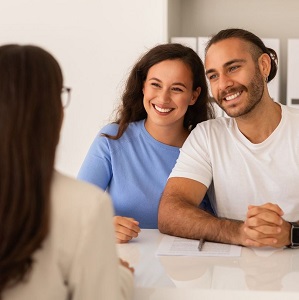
(194, 161)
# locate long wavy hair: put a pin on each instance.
(257, 49)
(30, 120)
(132, 109)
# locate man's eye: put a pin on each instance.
(213, 76)
(233, 68)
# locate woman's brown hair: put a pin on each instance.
(131, 108)
(30, 119)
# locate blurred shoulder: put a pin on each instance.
(69, 193)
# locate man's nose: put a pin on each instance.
(224, 82)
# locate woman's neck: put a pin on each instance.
(171, 135)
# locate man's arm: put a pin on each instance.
(179, 215)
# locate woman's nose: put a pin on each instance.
(164, 96)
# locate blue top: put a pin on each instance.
(133, 169)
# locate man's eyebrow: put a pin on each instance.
(210, 71)
(227, 64)
(234, 61)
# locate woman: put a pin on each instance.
(54, 244)
(164, 98)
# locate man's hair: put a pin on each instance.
(257, 49)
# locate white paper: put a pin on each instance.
(176, 246)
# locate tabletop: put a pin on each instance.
(267, 273)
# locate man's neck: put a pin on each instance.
(259, 124)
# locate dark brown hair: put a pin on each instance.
(30, 119)
(132, 109)
(258, 46)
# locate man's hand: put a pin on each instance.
(264, 226)
(125, 229)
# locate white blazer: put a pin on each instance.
(78, 260)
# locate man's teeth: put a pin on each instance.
(231, 97)
(162, 110)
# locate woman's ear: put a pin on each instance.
(195, 96)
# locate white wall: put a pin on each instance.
(96, 42)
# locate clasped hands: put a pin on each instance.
(264, 226)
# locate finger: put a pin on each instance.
(261, 243)
(267, 230)
(129, 223)
(122, 238)
(126, 231)
(264, 218)
(253, 243)
(125, 234)
(260, 237)
(126, 265)
(268, 206)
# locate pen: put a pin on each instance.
(200, 244)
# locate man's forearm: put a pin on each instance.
(180, 218)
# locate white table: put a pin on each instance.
(256, 274)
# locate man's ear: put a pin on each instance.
(195, 96)
(264, 62)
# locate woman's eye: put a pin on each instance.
(155, 84)
(177, 89)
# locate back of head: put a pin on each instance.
(132, 108)
(30, 119)
(257, 45)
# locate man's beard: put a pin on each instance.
(254, 91)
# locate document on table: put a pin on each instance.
(176, 246)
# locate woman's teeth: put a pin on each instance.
(162, 110)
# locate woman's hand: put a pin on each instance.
(126, 265)
(125, 229)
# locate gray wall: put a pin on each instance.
(266, 18)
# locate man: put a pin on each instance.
(249, 163)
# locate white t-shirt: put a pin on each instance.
(78, 260)
(238, 172)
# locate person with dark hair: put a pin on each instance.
(165, 97)
(248, 163)
(56, 233)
